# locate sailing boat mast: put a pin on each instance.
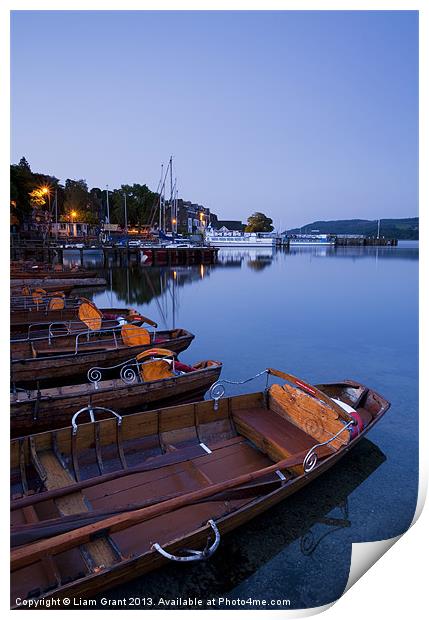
(171, 195)
(160, 198)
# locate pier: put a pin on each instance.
(119, 256)
(350, 240)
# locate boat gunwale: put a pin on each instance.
(26, 360)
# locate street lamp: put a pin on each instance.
(126, 217)
(72, 216)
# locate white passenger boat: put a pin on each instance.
(236, 239)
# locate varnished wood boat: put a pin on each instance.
(49, 288)
(153, 378)
(30, 274)
(59, 318)
(98, 504)
(69, 358)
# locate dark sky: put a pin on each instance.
(303, 115)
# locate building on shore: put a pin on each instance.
(231, 225)
(70, 229)
(191, 217)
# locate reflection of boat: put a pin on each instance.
(306, 240)
(152, 378)
(70, 357)
(257, 258)
(214, 466)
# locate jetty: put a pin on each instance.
(359, 240)
(117, 255)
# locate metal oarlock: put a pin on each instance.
(196, 556)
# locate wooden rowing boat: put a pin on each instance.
(69, 358)
(21, 319)
(98, 504)
(59, 318)
(49, 288)
(48, 274)
(153, 378)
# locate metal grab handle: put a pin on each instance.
(217, 389)
(91, 410)
(311, 458)
(197, 556)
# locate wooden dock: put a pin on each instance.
(365, 241)
(120, 256)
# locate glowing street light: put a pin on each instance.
(73, 215)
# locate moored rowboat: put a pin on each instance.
(153, 378)
(102, 503)
(57, 319)
(69, 358)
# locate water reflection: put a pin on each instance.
(137, 285)
(408, 250)
(313, 520)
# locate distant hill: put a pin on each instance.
(407, 228)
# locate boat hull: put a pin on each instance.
(51, 412)
(72, 367)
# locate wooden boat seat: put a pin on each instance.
(133, 335)
(274, 434)
(42, 351)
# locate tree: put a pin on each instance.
(76, 196)
(23, 163)
(259, 222)
(20, 187)
(78, 200)
(140, 202)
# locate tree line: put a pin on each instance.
(34, 191)
(31, 191)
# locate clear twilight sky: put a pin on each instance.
(303, 115)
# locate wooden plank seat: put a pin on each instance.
(42, 351)
(273, 431)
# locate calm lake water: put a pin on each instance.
(324, 314)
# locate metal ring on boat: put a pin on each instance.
(217, 391)
(91, 410)
(196, 556)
